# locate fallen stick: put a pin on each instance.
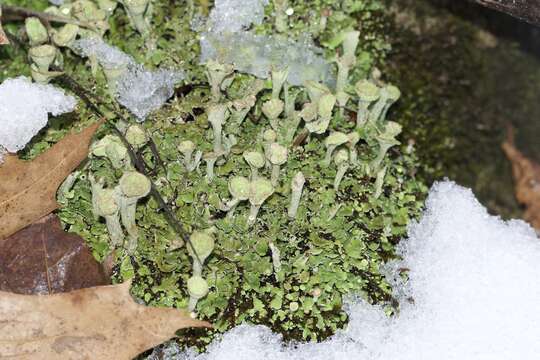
(16, 13)
(526, 10)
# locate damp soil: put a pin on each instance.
(465, 73)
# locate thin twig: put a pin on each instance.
(15, 41)
(528, 10)
(300, 138)
(91, 100)
(16, 13)
(136, 158)
(155, 153)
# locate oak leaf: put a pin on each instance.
(43, 259)
(95, 323)
(526, 181)
(28, 188)
(3, 38)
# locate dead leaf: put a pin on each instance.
(96, 323)
(28, 188)
(43, 259)
(3, 38)
(527, 181)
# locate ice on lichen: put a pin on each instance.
(143, 91)
(473, 293)
(24, 109)
(105, 54)
(258, 54)
(226, 40)
(140, 90)
(236, 15)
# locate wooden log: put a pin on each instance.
(526, 10)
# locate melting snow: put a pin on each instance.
(227, 41)
(107, 55)
(259, 54)
(236, 15)
(143, 91)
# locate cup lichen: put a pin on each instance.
(133, 186)
(106, 204)
(197, 288)
(297, 185)
(259, 190)
(256, 161)
(36, 31)
(291, 237)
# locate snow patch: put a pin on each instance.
(24, 109)
(475, 284)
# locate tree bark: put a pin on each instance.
(526, 10)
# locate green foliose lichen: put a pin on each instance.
(334, 246)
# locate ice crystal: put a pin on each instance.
(259, 54)
(143, 91)
(24, 109)
(236, 15)
(140, 90)
(107, 55)
(227, 41)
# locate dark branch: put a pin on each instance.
(526, 10)
(15, 13)
(92, 100)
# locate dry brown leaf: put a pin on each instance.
(44, 259)
(3, 38)
(527, 181)
(28, 188)
(95, 323)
